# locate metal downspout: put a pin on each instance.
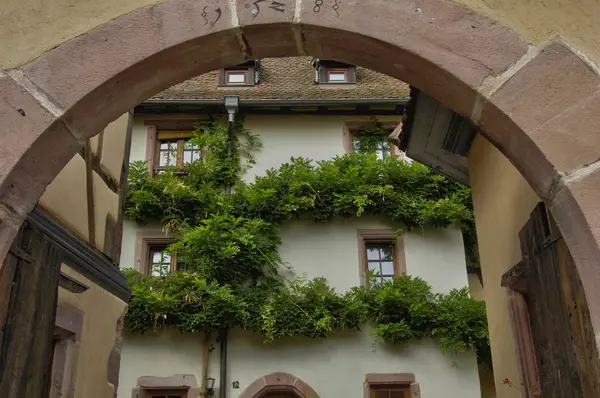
(232, 106)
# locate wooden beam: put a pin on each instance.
(78, 255)
(118, 235)
(109, 181)
(100, 145)
(515, 278)
(70, 284)
(89, 179)
(173, 124)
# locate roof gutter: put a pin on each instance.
(282, 102)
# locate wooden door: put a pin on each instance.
(28, 293)
(563, 339)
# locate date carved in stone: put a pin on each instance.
(272, 4)
(218, 13)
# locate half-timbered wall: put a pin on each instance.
(85, 196)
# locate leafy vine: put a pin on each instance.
(229, 243)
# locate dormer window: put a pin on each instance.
(332, 72)
(337, 75)
(233, 77)
(245, 74)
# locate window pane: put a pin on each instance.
(374, 266)
(236, 77)
(372, 253)
(382, 394)
(187, 157)
(159, 270)
(195, 155)
(157, 257)
(337, 76)
(386, 253)
(397, 394)
(168, 154)
(387, 268)
(387, 278)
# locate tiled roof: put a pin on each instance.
(289, 78)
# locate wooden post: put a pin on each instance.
(28, 297)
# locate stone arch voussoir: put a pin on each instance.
(279, 382)
(538, 106)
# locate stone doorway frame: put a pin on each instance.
(539, 105)
(279, 382)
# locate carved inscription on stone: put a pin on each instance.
(212, 16)
(255, 6)
(335, 6)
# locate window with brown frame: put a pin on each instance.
(336, 75)
(389, 392)
(382, 252)
(378, 145)
(236, 77)
(161, 262)
(333, 72)
(175, 149)
(381, 259)
(241, 75)
(166, 394)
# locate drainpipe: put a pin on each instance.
(232, 106)
(223, 376)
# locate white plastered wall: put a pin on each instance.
(335, 367)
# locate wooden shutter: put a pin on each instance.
(351, 76)
(150, 148)
(250, 76)
(28, 296)
(563, 338)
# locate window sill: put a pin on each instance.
(235, 85)
(177, 173)
(337, 85)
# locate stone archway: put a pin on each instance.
(279, 384)
(538, 105)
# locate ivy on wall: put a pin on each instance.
(230, 242)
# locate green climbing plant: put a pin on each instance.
(229, 243)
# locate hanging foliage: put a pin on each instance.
(229, 243)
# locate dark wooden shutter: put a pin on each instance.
(351, 74)
(222, 81)
(563, 338)
(322, 74)
(250, 77)
(28, 295)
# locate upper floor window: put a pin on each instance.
(332, 72)
(381, 259)
(175, 149)
(245, 74)
(162, 262)
(337, 75)
(381, 252)
(377, 144)
(372, 138)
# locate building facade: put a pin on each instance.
(313, 109)
(68, 251)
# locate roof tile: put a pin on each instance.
(289, 78)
